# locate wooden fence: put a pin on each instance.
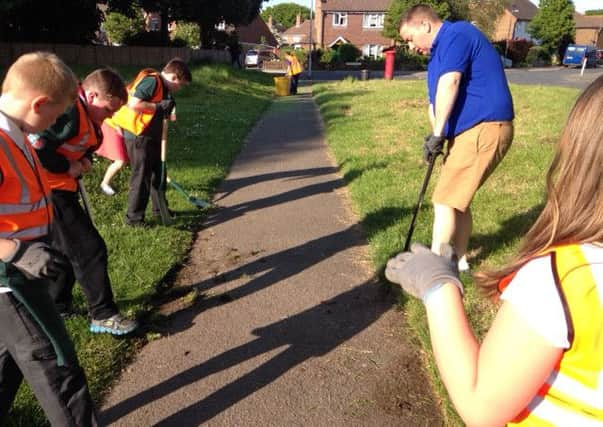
(112, 55)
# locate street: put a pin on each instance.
(552, 76)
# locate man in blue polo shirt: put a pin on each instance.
(470, 105)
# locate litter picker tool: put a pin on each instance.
(420, 202)
(164, 212)
(85, 199)
(201, 204)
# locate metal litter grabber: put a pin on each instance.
(420, 202)
(85, 199)
(201, 204)
(164, 212)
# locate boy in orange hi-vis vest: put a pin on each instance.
(541, 361)
(141, 120)
(33, 341)
(65, 149)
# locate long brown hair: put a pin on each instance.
(573, 212)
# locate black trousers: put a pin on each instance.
(294, 83)
(144, 153)
(25, 351)
(74, 235)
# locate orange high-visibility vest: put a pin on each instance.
(573, 393)
(75, 148)
(134, 121)
(25, 208)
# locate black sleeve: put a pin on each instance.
(48, 141)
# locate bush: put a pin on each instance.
(120, 28)
(370, 63)
(407, 60)
(329, 59)
(187, 33)
(348, 52)
(538, 56)
(518, 50)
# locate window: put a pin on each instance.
(340, 19)
(373, 20)
(154, 23)
(372, 50)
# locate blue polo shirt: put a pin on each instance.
(484, 94)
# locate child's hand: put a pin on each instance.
(75, 169)
(86, 164)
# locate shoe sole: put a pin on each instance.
(104, 330)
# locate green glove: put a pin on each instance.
(421, 272)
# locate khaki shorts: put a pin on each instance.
(471, 158)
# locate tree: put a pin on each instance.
(453, 10)
(285, 13)
(554, 25)
(188, 33)
(49, 21)
(121, 28)
(207, 13)
(594, 12)
(485, 14)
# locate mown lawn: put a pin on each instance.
(375, 130)
(215, 114)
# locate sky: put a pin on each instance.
(581, 5)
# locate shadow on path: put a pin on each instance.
(311, 333)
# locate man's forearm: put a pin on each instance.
(446, 94)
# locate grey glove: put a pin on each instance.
(433, 146)
(165, 107)
(420, 272)
(37, 260)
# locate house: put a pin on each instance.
(513, 23)
(298, 36)
(276, 29)
(589, 29)
(358, 22)
(256, 33)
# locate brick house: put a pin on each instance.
(359, 22)
(256, 32)
(513, 23)
(589, 30)
(298, 36)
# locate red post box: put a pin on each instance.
(390, 56)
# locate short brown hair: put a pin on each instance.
(417, 12)
(108, 83)
(178, 67)
(42, 72)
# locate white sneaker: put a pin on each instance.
(107, 189)
(463, 265)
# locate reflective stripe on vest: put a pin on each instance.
(75, 148)
(573, 393)
(133, 121)
(25, 210)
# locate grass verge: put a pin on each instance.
(375, 130)
(215, 113)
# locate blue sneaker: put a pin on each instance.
(115, 325)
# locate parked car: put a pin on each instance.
(255, 58)
(576, 53)
(600, 55)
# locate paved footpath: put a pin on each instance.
(290, 328)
